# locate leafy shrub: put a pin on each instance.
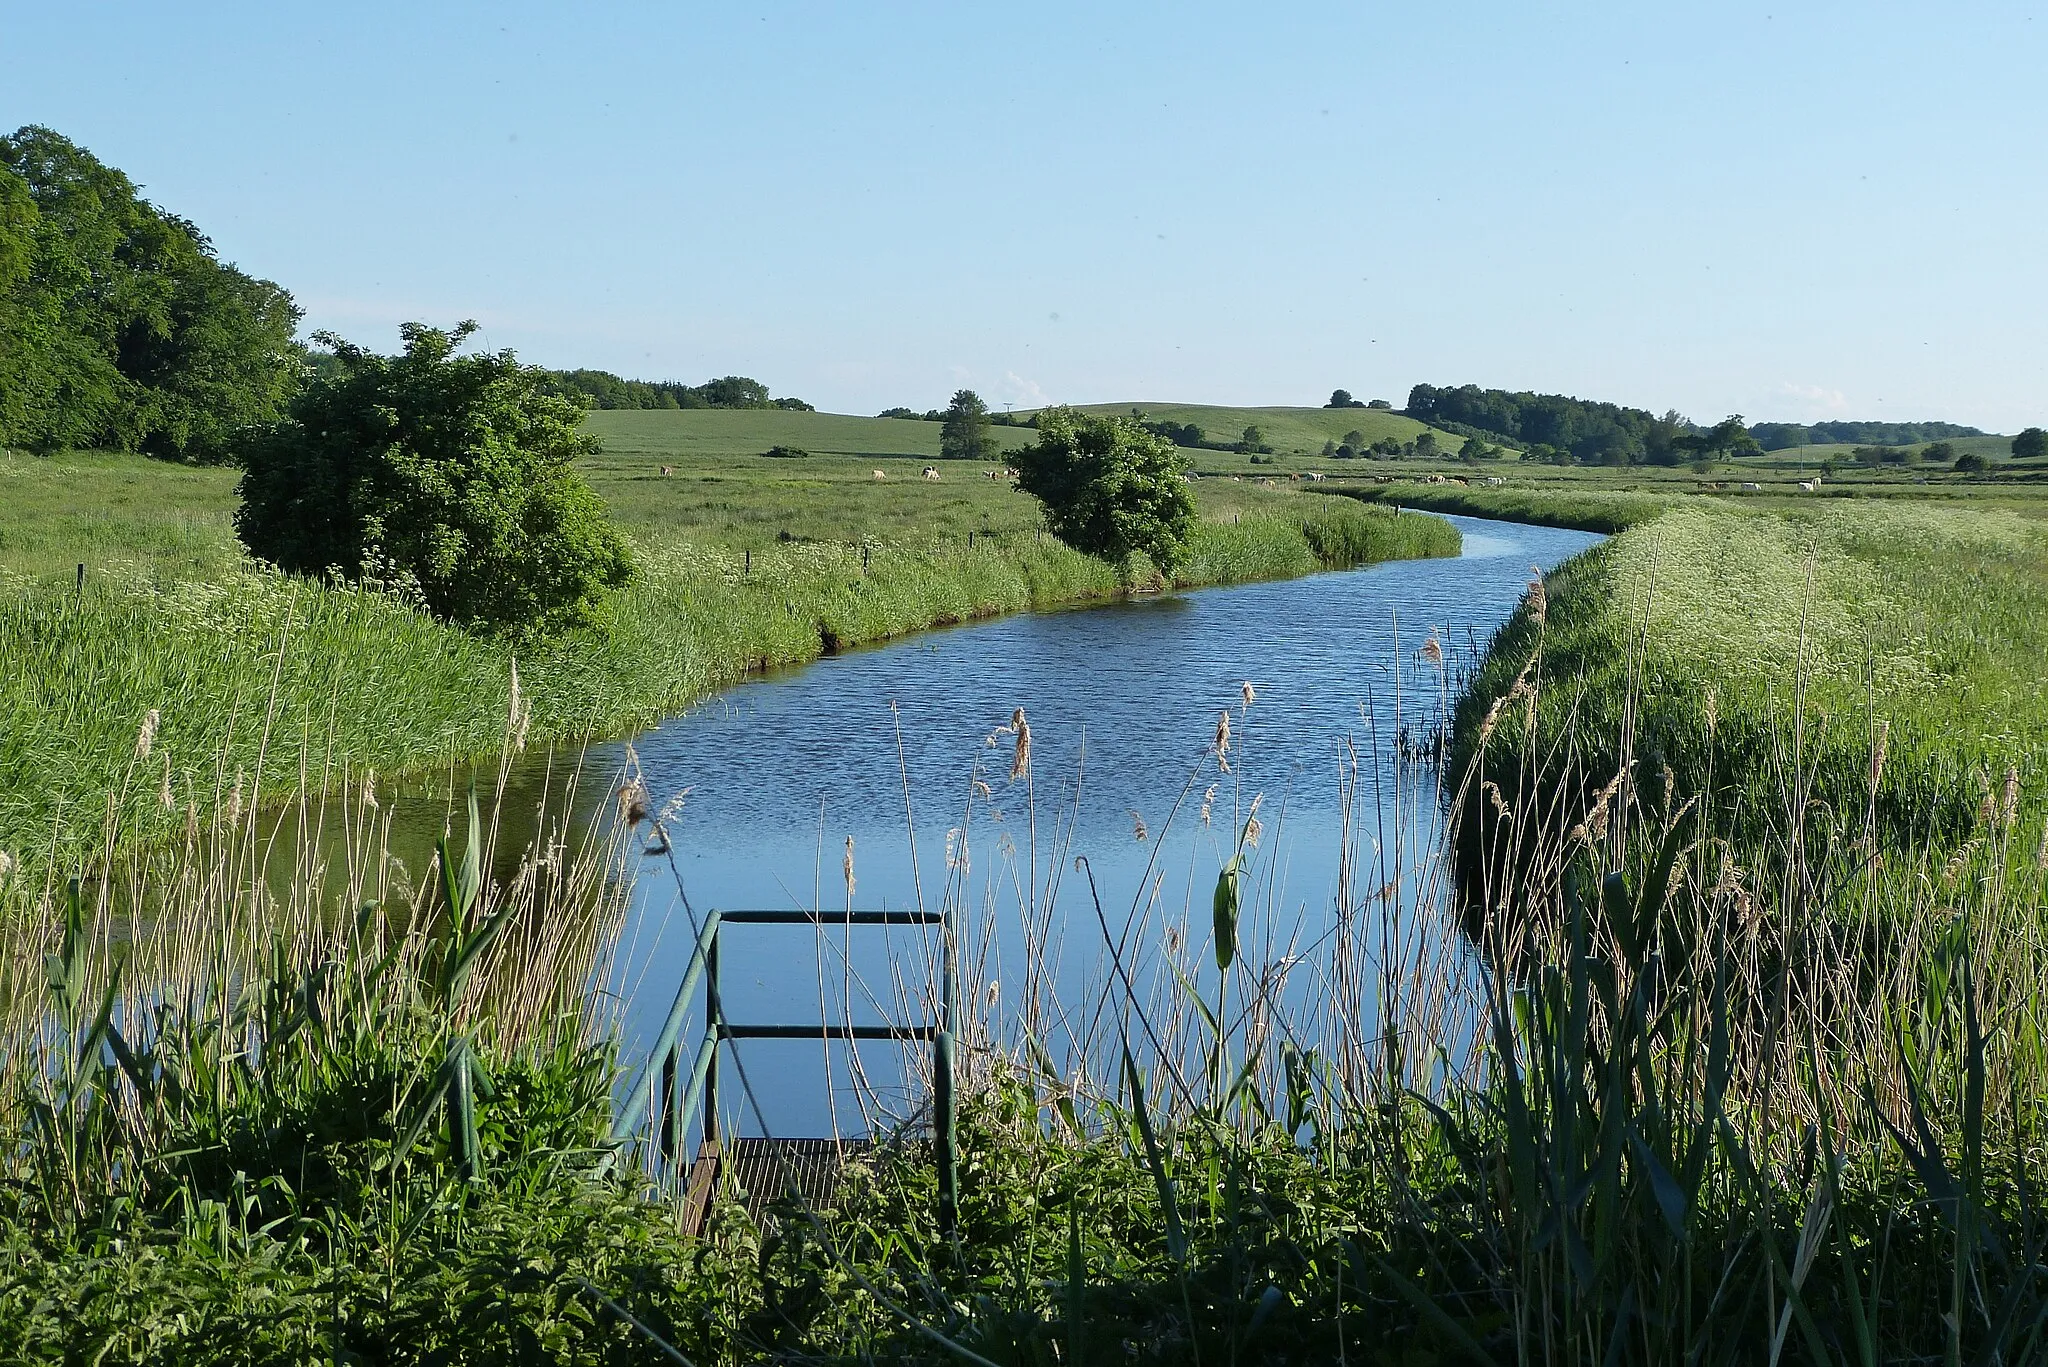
(1109, 488)
(787, 453)
(454, 474)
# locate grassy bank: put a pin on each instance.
(261, 684)
(1881, 661)
(1586, 509)
(1597, 1149)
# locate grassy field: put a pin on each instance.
(746, 564)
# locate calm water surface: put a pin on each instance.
(776, 775)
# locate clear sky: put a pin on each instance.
(1788, 210)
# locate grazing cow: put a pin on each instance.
(1749, 488)
(668, 469)
(931, 472)
(1809, 486)
(1317, 475)
(881, 474)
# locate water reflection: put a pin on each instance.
(884, 747)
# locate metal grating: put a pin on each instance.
(765, 1170)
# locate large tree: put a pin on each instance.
(967, 433)
(1109, 488)
(455, 473)
(2030, 444)
(118, 324)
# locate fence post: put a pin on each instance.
(945, 1131)
(945, 1107)
(714, 1018)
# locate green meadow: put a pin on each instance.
(746, 563)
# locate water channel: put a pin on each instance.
(902, 749)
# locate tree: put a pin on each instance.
(455, 474)
(1339, 398)
(118, 324)
(966, 434)
(1354, 439)
(1253, 442)
(1425, 444)
(1938, 452)
(1379, 403)
(1330, 450)
(1970, 463)
(1109, 488)
(2030, 444)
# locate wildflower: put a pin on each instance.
(1020, 763)
(146, 737)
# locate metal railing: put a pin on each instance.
(664, 1066)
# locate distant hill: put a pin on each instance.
(1289, 431)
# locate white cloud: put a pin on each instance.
(1019, 392)
(1812, 402)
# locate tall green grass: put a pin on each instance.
(1654, 1117)
(262, 684)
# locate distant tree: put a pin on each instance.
(897, 413)
(1354, 439)
(1970, 463)
(1330, 450)
(967, 435)
(1339, 398)
(455, 473)
(1346, 452)
(1109, 488)
(734, 391)
(1938, 452)
(786, 452)
(1379, 403)
(2030, 444)
(1425, 444)
(1253, 442)
(1869, 456)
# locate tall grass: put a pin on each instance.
(252, 674)
(1655, 1110)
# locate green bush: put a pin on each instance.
(452, 475)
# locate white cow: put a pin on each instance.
(881, 474)
(931, 472)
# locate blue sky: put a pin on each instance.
(1792, 211)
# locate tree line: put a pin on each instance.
(119, 324)
(1780, 436)
(1558, 427)
(602, 389)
